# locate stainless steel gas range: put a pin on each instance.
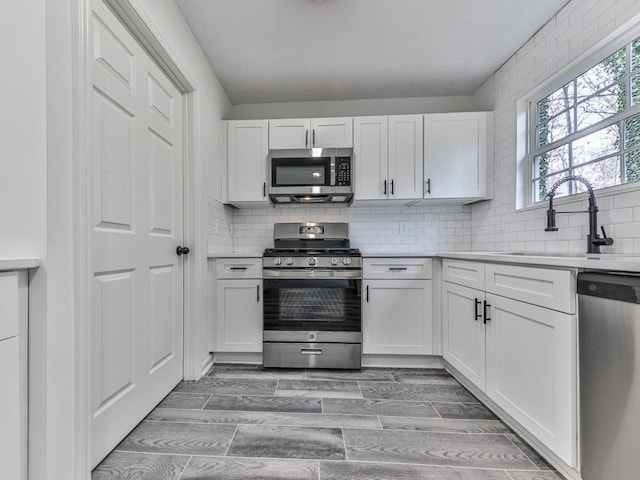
(312, 283)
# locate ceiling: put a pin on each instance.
(305, 50)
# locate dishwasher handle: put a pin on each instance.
(619, 286)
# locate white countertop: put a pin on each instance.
(620, 262)
(234, 255)
(18, 263)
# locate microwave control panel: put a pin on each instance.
(343, 171)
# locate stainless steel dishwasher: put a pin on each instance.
(609, 312)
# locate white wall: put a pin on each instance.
(347, 108)
(23, 169)
(576, 29)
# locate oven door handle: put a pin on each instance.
(310, 351)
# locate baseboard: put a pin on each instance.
(250, 358)
(377, 361)
(566, 470)
(207, 365)
(402, 361)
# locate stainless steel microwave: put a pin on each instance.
(327, 179)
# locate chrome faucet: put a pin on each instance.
(593, 239)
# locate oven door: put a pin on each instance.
(326, 306)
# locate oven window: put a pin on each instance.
(298, 172)
(314, 304)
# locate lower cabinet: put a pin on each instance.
(397, 306)
(521, 354)
(13, 374)
(238, 305)
(531, 370)
(464, 331)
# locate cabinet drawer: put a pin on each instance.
(397, 268)
(239, 268)
(469, 274)
(9, 304)
(549, 288)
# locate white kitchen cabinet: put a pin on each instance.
(238, 305)
(13, 374)
(513, 334)
(457, 147)
(247, 151)
(311, 133)
(463, 331)
(531, 370)
(397, 306)
(370, 157)
(388, 157)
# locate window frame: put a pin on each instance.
(527, 132)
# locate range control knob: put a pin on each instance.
(334, 261)
(346, 261)
(277, 261)
(288, 261)
(312, 261)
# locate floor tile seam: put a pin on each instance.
(184, 469)
(207, 402)
(438, 431)
(508, 474)
(360, 390)
(423, 401)
(287, 425)
(430, 465)
(231, 440)
(232, 394)
(344, 445)
(184, 393)
(436, 410)
(506, 435)
(318, 466)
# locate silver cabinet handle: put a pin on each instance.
(306, 138)
(428, 182)
(237, 268)
(397, 269)
(310, 351)
(258, 293)
(313, 141)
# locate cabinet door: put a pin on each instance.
(396, 317)
(455, 155)
(332, 132)
(463, 331)
(371, 161)
(289, 133)
(10, 410)
(239, 315)
(405, 157)
(247, 161)
(531, 370)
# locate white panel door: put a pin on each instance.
(396, 317)
(247, 160)
(531, 370)
(136, 224)
(11, 436)
(371, 160)
(455, 155)
(405, 157)
(463, 331)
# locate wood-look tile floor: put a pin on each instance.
(245, 422)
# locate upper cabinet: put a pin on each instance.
(247, 151)
(456, 153)
(311, 133)
(388, 157)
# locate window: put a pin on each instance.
(589, 126)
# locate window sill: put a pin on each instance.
(577, 197)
